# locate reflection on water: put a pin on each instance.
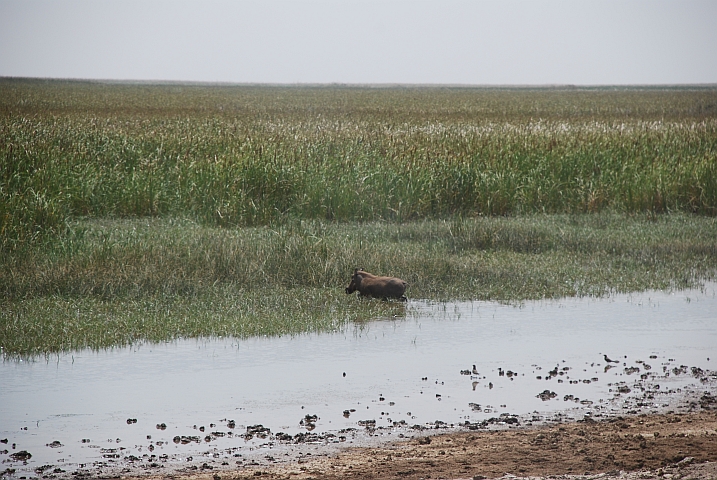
(416, 370)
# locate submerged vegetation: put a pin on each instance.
(150, 212)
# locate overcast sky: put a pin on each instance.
(351, 41)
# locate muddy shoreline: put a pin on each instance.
(678, 443)
(668, 446)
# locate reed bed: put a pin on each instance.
(242, 156)
(136, 212)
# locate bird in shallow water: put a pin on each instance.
(610, 361)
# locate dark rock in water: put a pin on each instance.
(55, 444)
(631, 370)
(347, 414)
(306, 437)
(41, 469)
(309, 419)
(511, 420)
(21, 456)
(185, 440)
(130, 421)
(708, 401)
(475, 407)
(546, 395)
(231, 424)
(258, 430)
(4, 440)
(161, 426)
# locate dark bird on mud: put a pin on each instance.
(610, 361)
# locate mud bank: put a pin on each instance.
(671, 445)
(667, 446)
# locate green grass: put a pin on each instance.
(150, 212)
(114, 282)
(242, 156)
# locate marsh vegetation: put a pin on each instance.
(150, 212)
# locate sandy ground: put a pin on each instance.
(667, 446)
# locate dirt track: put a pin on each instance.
(668, 446)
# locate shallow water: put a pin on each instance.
(406, 369)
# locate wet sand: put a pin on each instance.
(668, 446)
(672, 445)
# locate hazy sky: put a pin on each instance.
(350, 41)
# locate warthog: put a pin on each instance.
(369, 285)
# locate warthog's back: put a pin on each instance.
(382, 287)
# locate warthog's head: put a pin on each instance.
(355, 282)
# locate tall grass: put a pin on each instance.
(114, 282)
(237, 156)
(441, 259)
(151, 212)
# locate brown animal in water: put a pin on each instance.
(369, 285)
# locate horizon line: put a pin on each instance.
(376, 85)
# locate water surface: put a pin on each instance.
(390, 370)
